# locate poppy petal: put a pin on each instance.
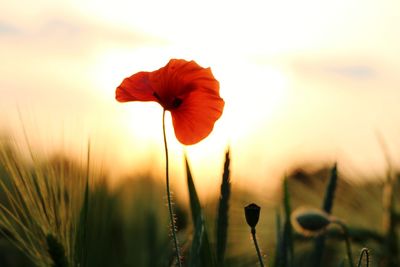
(179, 77)
(135, 88)
(189, 91)
(195, 118)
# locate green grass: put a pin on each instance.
(40, 199)
(58, 212)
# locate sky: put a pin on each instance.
(303, 81)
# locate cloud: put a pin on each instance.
(65, 33)
(54, 53)
(342, 70)
(7, 29)
(359, 72)
(84, 30)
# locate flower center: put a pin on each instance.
(176, 102)
(169, 104)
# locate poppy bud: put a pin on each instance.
(310, 221)
(252, 213)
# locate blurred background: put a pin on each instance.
(306, 84)
(303, 81)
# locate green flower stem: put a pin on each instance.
(253, 234)
(347, 240)
(171, 212)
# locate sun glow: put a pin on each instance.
(289, 72)
(253, 93)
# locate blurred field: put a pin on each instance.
(45, 198)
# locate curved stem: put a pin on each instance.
(363, 251)
(171, 212)
(347, 240)
(253, 234)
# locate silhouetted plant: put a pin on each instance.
(252, 214)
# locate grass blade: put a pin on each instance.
(278, 239)
(327, 207)
(81, 246)
(200, 237)
(223, 209)
(330, 191)
(81, 239)
(287, 240)
(56, 251)
(195, 250)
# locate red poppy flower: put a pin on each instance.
(189, 91)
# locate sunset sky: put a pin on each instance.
(303, 81)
